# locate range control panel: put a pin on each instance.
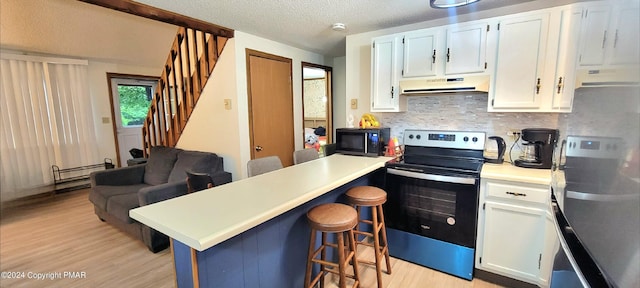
(445, 139)
(594, 147)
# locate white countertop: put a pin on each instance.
(509, 172)
(206, 218)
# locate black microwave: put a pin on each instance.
(362, 142)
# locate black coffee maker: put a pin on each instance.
(538, 145)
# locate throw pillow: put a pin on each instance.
(159, 165)
(195, 161)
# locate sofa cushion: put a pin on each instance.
(101, 193)
(119, 206)
(159, 165)
(200, 162)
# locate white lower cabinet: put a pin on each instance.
(514, 243)
(515, 234)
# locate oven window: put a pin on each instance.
(439, 210)
(436, 204)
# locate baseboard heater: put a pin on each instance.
(74, 178)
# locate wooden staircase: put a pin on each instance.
(191, 61)
(195, 52)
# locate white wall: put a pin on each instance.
(339, 93)
(211, 127)
(247, 41)
(232, 141)
(99, 90)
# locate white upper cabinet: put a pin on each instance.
(466, 49)
(384, 74)
(594, 40)
(520, 62)
(535, 61)
(420, 49)
(624, 27)
(533, 58)
(609, 35)
(567, 59)
(447, 50)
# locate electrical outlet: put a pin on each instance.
(513, 134)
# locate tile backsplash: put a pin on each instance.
(467, 112)
(607, 112)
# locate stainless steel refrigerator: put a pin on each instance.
(596, 202)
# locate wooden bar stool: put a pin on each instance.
(369, 196)
(332, 218)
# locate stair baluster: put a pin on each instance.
(191, 61)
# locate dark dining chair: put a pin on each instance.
(198, 181)
(330, 149)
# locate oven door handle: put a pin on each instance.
(433, 177)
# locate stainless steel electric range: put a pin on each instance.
(432, 208)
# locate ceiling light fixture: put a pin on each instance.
(338, 27)
(450, 3)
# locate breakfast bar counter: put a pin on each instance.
(247, 233)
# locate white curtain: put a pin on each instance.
(46, 119)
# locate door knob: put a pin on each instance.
(258, 148)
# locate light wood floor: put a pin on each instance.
(62, 234)
(405, 274)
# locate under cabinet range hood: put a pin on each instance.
(613, 77)
(445, 85)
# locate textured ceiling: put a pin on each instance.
(72, 28)
(307, 24)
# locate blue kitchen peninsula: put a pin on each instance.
(254, 232)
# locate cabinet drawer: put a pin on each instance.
(538, 194)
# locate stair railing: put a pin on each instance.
(191, 61)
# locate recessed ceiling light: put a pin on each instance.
(450, 3)
(338, 27)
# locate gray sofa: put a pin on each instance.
(116, 191)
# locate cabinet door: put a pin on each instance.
(624, 30)
(466, 49)
(594, 35)
(384, 91)
(520, 60)
(420, 53)
(513, 241)
(551, 246)
(567, 60)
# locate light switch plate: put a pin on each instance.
(354, 103)
(227, 104)
(106, 120)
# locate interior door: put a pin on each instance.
(317, 104)
(271, 104)
(130, 99)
